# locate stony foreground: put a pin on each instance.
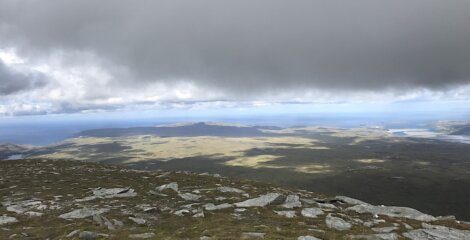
(45, 199)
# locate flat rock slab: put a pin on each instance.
(337, 223)
(262, 201)
(142, 235)
(437, 233)
(83, 213)
(7, 220)
(287, 214)
(230, 190)
(391, 211)
(292, 201)
(308, 238)
(379, 236)
(212, 207)
(173, 186)
(311, 212)
(189, 196)
(253, 235)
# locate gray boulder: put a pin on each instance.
(437, 233)
(351, 201)
(189, 196)
(379, 236)
(308, 238)
(262, 201)
(7, 220)
(173, 186)
(139, 221)
(292, 201)
(141, 235)
(337, 223)
(212, 207)
(287, 214)
(311, 212)
(83, 213)
(230, 190)
(400, 212)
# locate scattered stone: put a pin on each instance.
(199, 215)
(349, 200)
(181, 212)
(308, 238)
(326, 205)
(25, 206)
(287, 214)
(401, 212)
(230, 189)
(118, 223)
(205, 238)
(173, 186)
(72, 233)
(189, 196)
(87, 235)
(7, 220)
(262, 201)
(249, 235)
(239, 210)
(292, 201)
(337, 223)
(83, 213)
(380, 236)
(373, 222)
(311, 212)
(437, 233)
(139, 221)
(146, 207)
(141, 235)
(212, 207)
(384, 229)
(33, 214)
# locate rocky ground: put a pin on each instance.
(56, 199)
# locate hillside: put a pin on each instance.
(50, 199)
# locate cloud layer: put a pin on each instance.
(242, 50)
(14, 82)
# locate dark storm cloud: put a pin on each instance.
(257, 45)
(13, 81)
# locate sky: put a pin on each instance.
(234, 56)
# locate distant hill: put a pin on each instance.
(196, 129)
(462, 131)
(8, 149)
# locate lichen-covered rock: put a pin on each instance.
(7, 220)
(308, 238)
(251, 235)
(337, 223)
(212, 207)
(189, 196)
(378, 236)
(83, 213)
(262, 201)
(311, 212)
(173, 186)
(391, 211)
(230, 190)
(139, 221)
(141, 235)
(437, 233)
(351, 201)
(292, 201)
(287, 214)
